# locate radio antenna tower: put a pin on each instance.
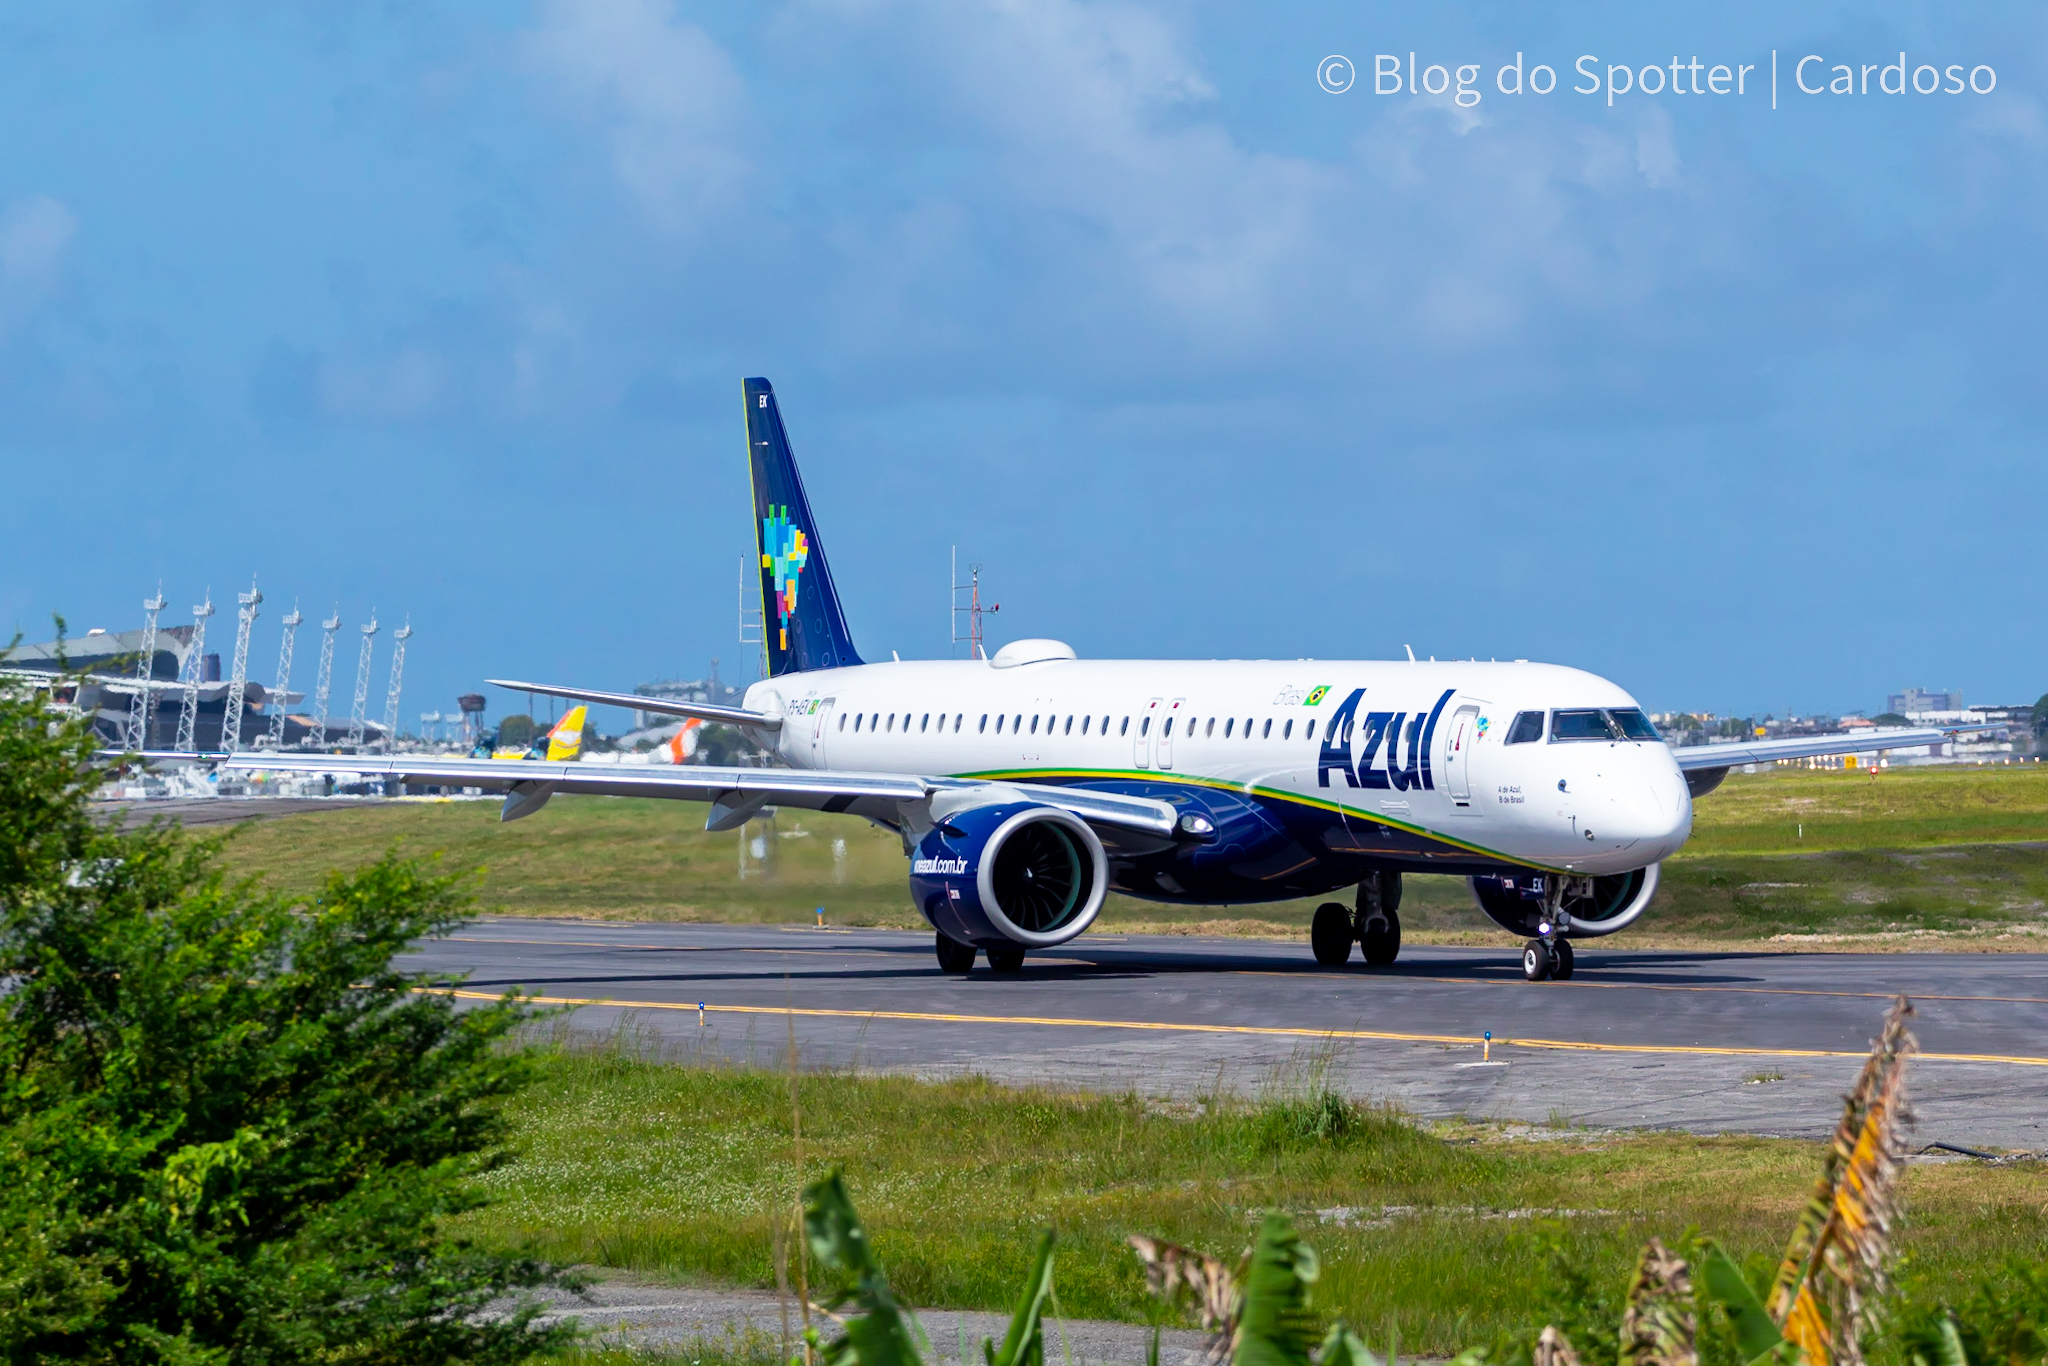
(357, 717)
(284, 676)
(140, 707)
(317, 737)
(974, 610)
(398, 639)
(238, 677)
(195, 664)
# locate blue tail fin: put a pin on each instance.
(803, 626)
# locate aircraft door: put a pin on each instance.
(1147, 719)
(1461, 735)
(1173, 714)
(818, 720)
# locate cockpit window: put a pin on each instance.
(1586, 723)
(1634, 724)
(1528, 727)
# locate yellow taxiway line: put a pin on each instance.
(1268, 1031)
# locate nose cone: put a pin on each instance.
(1647, 815)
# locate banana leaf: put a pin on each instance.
(1275, 1327)
(879, 1334)
(1024, 1343)
(1755, 1335)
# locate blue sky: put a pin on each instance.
(444, 308)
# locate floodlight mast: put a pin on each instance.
(398, 637)
(140, 707)
(358, 716)
(195, 664)
(317, 737)
(238, 677)
(973, 610)
(284, 676)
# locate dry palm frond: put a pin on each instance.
(1835, 1267)
(1171, 1269)
(1657, 1327)
(1554, 1349)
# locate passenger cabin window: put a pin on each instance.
(1168, 729)
(1016, 723)
(891, 727)
(1267, 733)
(1125, 728)
(923, 722)
(958, 717)
(1084, 724)
(1105, 725)
(1311, 733)
(999, 725)
(842, 720)
(1287, 731)
(1210, 729)
(1247, 727)
(1145, 726)
(1528, 726)
(1068, 729)
(1582, 723)
(856, 723)
(1227, 724)
(983, 727)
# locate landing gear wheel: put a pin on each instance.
(1561, 970)
(1005, 957)
(1329, 934)
(1537, 961)
(1382, 942)
(955, 956)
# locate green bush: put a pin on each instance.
(230, 1129)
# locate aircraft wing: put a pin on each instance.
(1696, 758)
(733, 716)
(898, 800)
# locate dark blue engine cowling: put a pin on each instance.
(1516, 903)
(1010, 873)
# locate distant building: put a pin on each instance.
(713, 690)
(1916, 701)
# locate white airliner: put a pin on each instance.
(1028, 786)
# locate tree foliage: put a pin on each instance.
(232, 1131)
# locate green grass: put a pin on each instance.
(1911, 857)
(669, 1171)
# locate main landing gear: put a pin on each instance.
(1375, 927)
(1550, 962)
(958, 958)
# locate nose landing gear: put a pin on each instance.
(1547, 960)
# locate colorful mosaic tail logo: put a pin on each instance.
(785, 549)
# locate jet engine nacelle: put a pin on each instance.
(1516, 903)
(1010, 873)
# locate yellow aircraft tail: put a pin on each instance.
(565, 741)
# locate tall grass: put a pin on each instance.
(674, 1171)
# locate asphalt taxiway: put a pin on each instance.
(1707, 1042)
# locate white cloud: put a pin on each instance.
(666, 93)
(35, 230)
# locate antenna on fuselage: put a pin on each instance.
(1411, 652)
